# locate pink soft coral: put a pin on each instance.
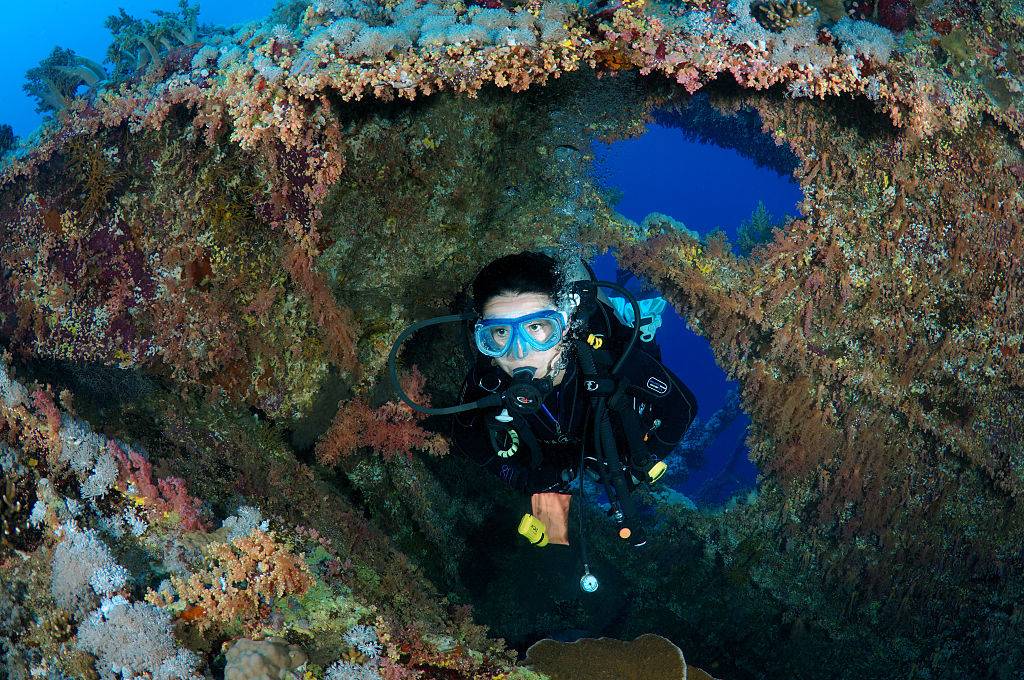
(167, 495)
(45, 405)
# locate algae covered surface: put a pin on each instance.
(209, 248)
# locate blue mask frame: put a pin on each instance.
(520, 340)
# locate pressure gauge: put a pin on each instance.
(588, 582)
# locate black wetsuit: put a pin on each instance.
(561, 433)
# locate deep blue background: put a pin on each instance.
(701, 185)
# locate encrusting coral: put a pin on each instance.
(648, 657)
(16, 501)
(87, 570)
(269, 659)
(777, 15)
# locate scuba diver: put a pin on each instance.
(560, 387)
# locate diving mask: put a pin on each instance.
(538, 331)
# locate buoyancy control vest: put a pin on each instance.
(663, 406)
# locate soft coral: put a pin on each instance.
(392, 429)
(167, 495)
(55, 81)
(137, 44)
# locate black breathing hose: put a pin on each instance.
(579, 504)
(489, 400)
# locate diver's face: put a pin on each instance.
(520, 304)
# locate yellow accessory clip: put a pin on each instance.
(595, 340)
(657, 470)
(534, 531)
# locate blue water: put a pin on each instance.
(702, 185)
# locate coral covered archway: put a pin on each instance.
(251, 212)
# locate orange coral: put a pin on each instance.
(241, 581)
(335, 321)
(390, 430)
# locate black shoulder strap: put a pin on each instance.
(606, 351)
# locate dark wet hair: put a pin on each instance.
(526, 272)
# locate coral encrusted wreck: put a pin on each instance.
(206, 254)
